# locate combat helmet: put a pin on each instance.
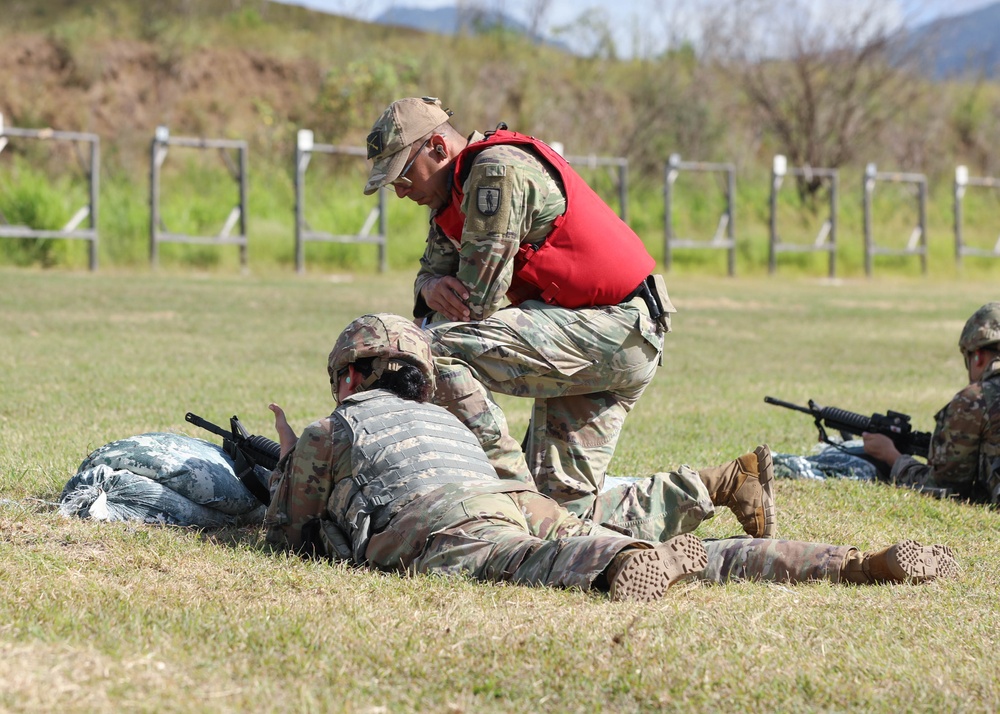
(982, 329)
(389, 339)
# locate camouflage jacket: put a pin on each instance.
(354, 471)
(965, 448)
(485, 260)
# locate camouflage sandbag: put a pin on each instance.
(827, 461)
(158, 477)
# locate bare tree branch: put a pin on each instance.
(824, 87)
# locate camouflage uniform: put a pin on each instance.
(585, 368)
(779, 561)
(404, 486)
(965, 448)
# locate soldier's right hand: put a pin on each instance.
(447, 295)
(880, 446)
(286, 436)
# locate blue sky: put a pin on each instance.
(641, 24)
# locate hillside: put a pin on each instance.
(967, 44)
(249, 69)
(260, 70)
(119, 68)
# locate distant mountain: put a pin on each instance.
(450, 20)
(454, 19)
(966, 44)
(960, 45)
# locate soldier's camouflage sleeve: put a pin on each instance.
(440, 258)
(510, 198)
(954, 457)
(305, 482)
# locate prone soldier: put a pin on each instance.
(390, 481)
(964, 453)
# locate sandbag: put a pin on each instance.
(196, 469)
(160, 478)
(827, 461)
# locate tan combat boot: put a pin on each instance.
(644, 574)
(904, 562)
(746, 487)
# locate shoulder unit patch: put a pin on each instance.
(488, 200)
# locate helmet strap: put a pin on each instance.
(379, 367)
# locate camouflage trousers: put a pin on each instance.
(585, 370)
(655, 508)
(782, 561)
(526, 538)
(520, 537)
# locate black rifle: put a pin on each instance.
(893, 424)
(247, 452)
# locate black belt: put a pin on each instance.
(647, 291)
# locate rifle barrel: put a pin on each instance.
(788, 405)
(208, 426)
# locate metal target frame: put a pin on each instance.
(159, 147)
(962, 182)
(305, 147)
(917, 242)
(592, 161)
(826, 239)
(92, 169)
(725, 237)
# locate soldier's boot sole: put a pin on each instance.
(765, 474)
(648, 574)
(911, 562)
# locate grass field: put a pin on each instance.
(123, 617)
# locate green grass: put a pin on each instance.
(119, 617)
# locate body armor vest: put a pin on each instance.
(402, 450)
(590, 258)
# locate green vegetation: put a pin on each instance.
(114, 617)
(259, 71)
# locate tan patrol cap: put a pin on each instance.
(404, 122)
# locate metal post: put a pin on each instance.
(383, 223)
(923, 226)
(730, 211)
(868, 185)
(961, 179)
(778, 167)
(301, 161)
(668, 227)
(94, 185)
(243, 205)
(833, 224)
(154, 196)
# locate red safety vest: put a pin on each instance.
(590, 258)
